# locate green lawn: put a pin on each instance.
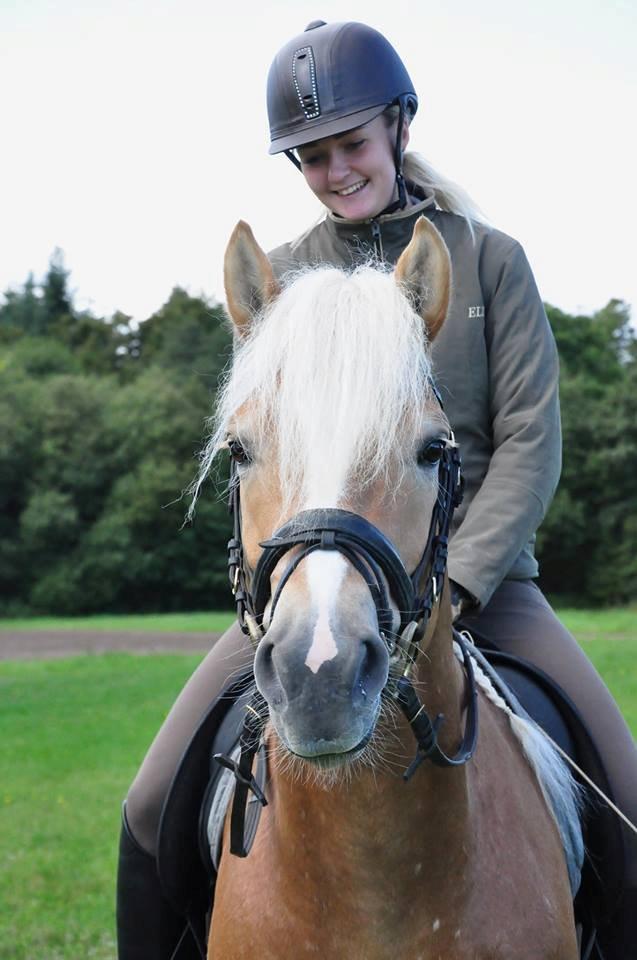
(609, 639)
(170, 622)
(600, 623)
(73, 734)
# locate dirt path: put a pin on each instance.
(43, 644)
(34, 644)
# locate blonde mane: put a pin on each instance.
(330, 374)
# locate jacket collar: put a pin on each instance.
(389, 222)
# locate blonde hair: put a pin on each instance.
(448, 195)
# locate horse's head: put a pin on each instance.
(329, 407)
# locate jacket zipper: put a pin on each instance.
(378, 240)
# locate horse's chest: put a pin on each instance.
(301, 919)
(291, 922)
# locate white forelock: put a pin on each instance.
(333, 374)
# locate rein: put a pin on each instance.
(375, 558)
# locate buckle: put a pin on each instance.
(240, 777)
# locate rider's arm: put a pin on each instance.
(525, 424)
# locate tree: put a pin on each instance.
(587, 542)
(189, 335)
(22, 312)
(56, 298)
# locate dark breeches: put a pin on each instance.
(230, 654)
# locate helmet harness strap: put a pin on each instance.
(290, 154)
(398, 156)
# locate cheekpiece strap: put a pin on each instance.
(236, 565)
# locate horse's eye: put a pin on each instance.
(431, 453)
(237, 451)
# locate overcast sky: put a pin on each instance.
(134, 135)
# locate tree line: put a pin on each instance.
(101, 420)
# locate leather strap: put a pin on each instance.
(426, 731)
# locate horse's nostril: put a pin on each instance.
(373, 668)
(265, 673)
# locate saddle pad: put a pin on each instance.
(220, 790)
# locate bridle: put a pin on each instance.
(369, 551)
(376, 559)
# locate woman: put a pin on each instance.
(340, 103)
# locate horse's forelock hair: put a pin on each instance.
(330, 373)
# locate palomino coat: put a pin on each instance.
(496, 366)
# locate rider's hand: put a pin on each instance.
(461, 601)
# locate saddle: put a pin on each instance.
(192, 819)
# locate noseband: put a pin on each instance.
(376, 559)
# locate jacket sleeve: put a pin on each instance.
(525, 425)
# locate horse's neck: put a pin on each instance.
(381, 830)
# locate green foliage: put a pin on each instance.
(187, 335)
(99, 522)
(22, 312)
(100, 422)
(588, 543)
(56, 298)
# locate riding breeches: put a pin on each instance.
(517, 620)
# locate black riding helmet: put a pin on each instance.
(332, 78)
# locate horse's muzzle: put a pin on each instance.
(332, 711)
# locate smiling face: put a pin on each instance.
(353, 173)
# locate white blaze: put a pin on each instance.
(325, 570)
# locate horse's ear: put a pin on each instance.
(424, 270)
(248, 278)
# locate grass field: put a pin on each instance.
(584, 623)
(177, 622)
(73, 734)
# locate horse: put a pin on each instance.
(386, 832)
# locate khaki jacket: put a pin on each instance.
(496, 367)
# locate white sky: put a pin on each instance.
(134, 135)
